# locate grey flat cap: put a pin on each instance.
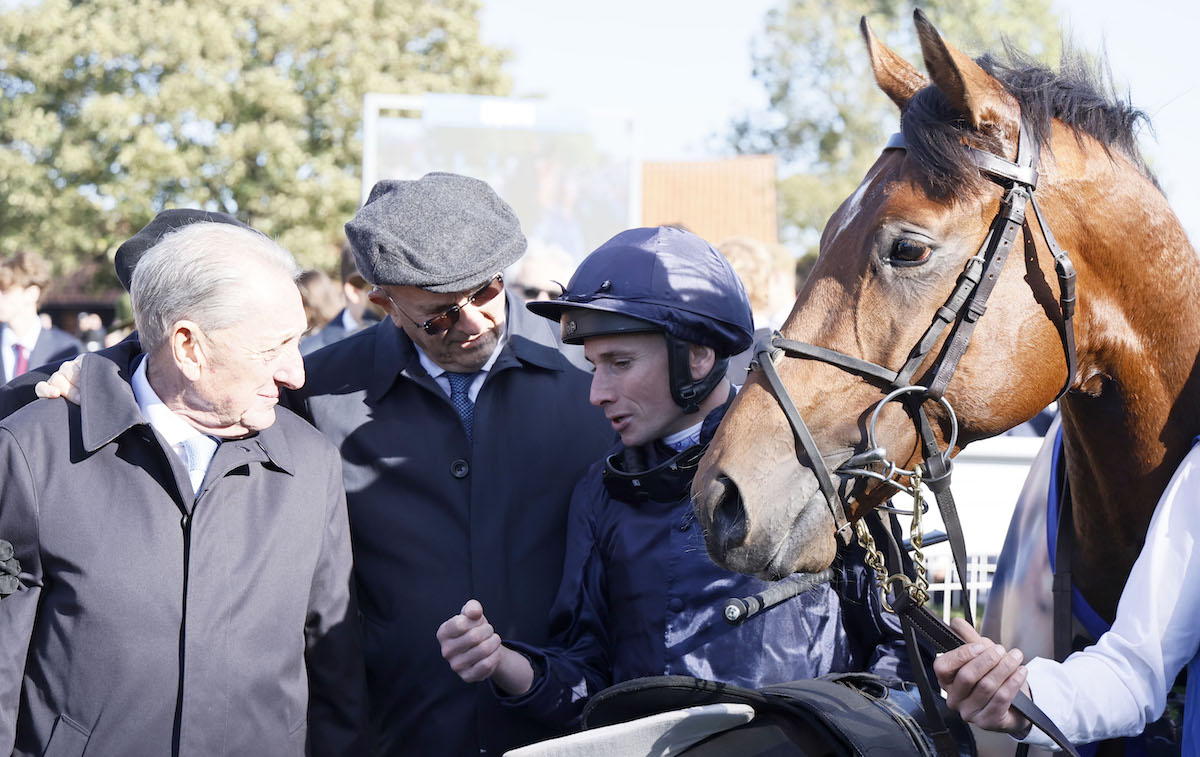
(442, 232)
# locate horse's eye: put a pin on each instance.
(909, 252)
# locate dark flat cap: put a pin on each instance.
(129, 253)
(442, 232)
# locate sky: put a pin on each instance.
(682, 68)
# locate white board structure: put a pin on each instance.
(572, 175)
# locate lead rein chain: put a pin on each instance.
(918, 589)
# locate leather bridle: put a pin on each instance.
(963, 309)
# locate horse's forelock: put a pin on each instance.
(1080, 94)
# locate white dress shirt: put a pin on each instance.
(174, 429)
(1119, 684)
(437, 373)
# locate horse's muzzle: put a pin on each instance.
(727, 529)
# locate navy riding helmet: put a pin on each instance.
(659, 279)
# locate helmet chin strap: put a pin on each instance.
(687, 393)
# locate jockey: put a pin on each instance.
(658, 312)
(1118, 685)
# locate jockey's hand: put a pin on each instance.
(981, 680)
(474, 651)
(64, 382)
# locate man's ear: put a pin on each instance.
(701, 360)
(380, 299)
(187, 349)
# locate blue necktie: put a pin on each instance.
(199, 451)
(460, 383)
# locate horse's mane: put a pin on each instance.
(1080, 94)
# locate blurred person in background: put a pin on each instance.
(321, 298)
(754, 265)
(769, 277)
(541, 274)
(356, 311)
(91, 331)
(24, 340)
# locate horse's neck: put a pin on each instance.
(1138, 408)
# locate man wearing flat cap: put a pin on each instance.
(463, 429)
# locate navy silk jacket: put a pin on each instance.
(640, 597)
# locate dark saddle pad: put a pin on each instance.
(838, 715)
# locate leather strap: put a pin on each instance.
(1062, 591)
(850, 363)
(945, 315)
(944, 639)
(942, 739)
(804, 436)
(1011, 218)
(939, 468)
(1066, 294)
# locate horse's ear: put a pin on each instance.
(973, 93)
(898, 78)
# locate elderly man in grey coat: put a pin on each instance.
(184, 550)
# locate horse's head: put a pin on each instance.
(891, 257)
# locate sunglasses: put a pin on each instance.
(445, 320)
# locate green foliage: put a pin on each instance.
(115, 109)
(827, 119)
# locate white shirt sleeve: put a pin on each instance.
(1119, 684)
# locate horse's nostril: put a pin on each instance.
(728, 513)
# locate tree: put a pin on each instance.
(827, 120)
(115, 109)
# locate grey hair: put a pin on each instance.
(197, 273)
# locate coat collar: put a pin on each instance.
(531, 341)
(108, 408)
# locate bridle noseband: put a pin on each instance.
(963, 309)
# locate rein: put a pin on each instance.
(965, 306)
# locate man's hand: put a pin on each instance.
(981, 680)
(64, 382)
(474, 651)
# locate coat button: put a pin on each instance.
(459, 469)
(675, 605)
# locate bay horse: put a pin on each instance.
(891, 256)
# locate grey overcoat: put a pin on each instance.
(437, 520)
(147, 624)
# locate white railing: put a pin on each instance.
(943, 580)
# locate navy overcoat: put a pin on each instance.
(437, 520)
